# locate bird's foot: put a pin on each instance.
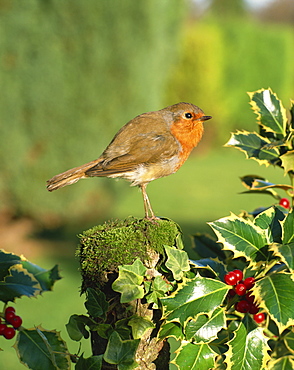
(153, 219)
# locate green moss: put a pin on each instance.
(105, 247)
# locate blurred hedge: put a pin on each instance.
(72, 73)
(221, 59)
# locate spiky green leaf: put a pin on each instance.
(270, 221)
(288, 161)
(275, 293)
(40, 349)
(212, 265)
(288, 228)
(269, 109)
(240, 236)
(247, 350)
(289, 340)
(282, 363)
(249, 181)
(194, 357)
(207, 247)
(18, 283)
(285, 252)
(254, 146)
(46, 278)
(198, 295)
(171, 329)
(204, 329)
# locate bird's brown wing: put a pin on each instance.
(143, 148)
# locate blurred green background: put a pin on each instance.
(72, 73)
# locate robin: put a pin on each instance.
(150, 146)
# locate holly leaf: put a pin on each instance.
(18, 283)
(288, 161)
(207, 247)
(171, 329)
(194, 356)
(289, 340)
(254, 146)
(282, 363)
(247, 350)
(264, 185)
(274, 292)
(240, 236)
(121, 352)
(7, 260)
(198, 295)
(271, 114)
(291, 123)
(215, 266)
(250, 181)
(177, 262)
(204, 329)
(96, 303)
(288, 228)
(270, 221)
(39, 348)
(285, 252)
(46, 278)
(128, 283)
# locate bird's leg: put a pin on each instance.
(147, 204)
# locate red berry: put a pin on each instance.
(16, 322)
(240, 289)
(231, 293)
(253, 309)
(242, 306)
(231, 278)
(9, 316)
(2, 328)
(249, 282)
(9, 309)
(9, 333)
(259, 317)
(249, 298)
(284, 202)
(239, 275)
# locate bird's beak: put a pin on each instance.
(205, 118)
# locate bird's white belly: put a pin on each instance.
(145, 173)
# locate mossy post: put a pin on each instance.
(101, 251)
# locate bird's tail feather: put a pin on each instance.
(70, 176)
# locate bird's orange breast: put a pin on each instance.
(188, 136)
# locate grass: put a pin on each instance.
(206, 188)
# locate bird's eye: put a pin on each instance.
(188, 115)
